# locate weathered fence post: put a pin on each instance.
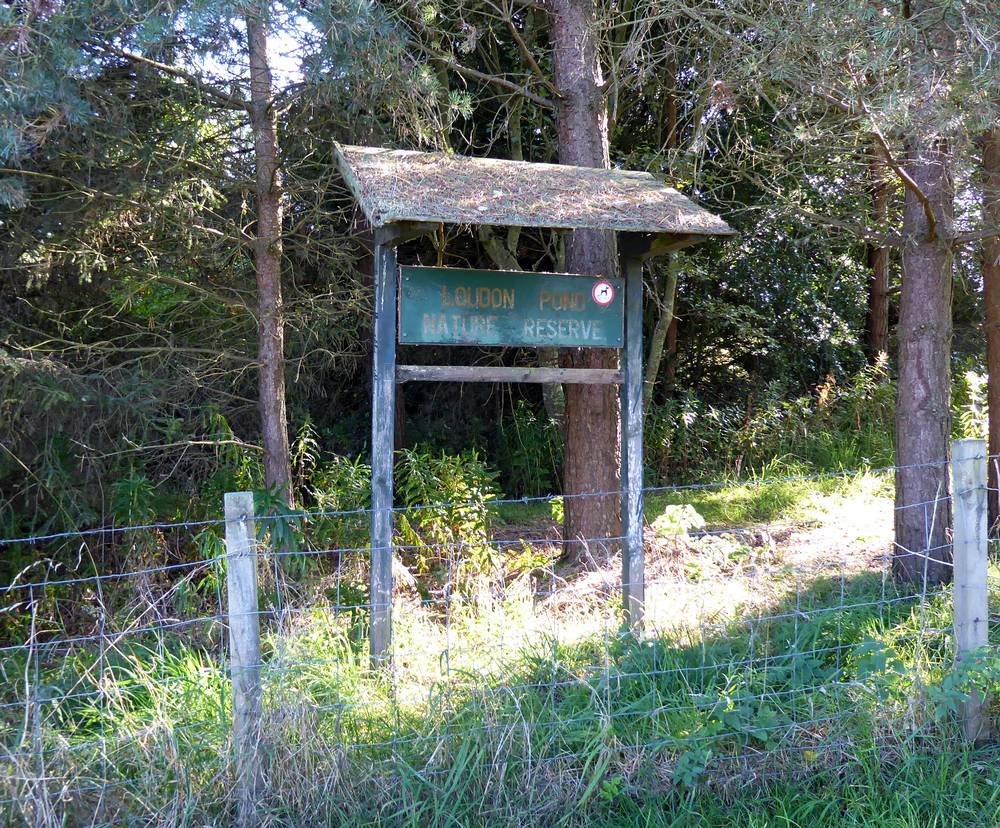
(969, 463)
(244, 650)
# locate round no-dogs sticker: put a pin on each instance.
(603, 293)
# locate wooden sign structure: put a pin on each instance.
(407, 194)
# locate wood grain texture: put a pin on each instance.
(970, 560)
(383, 426)
(244, 650)
(497, 373)
(633, 557)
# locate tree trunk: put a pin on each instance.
(663, 323)
(668, 134)
(877, 320)
(670, 369)
(991, 299)
(592, 415)
(923, 512)
(267, 256)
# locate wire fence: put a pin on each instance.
(513, 684)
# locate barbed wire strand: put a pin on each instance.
(602, 680)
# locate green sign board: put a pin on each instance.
(450, 306)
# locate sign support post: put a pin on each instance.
(482, 307)
(383, 419)
(633, 559)
(387, 237)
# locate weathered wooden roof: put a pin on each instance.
(402, 185)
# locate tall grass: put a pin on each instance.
(839, 426)
(514, 708)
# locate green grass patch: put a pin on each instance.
(834, 704)
(727, 505)
(908, 789)
(799, 498)
(594, 727)
(751, 502)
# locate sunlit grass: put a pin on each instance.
(816, 704)
(800, 497)
(755, 501)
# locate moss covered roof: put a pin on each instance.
(402, 185)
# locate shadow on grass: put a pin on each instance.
(790, 707)
(586, 727)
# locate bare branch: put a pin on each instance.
(529, 58)
(181, 444)
(908, 182)
(968, 238)
(496, 80)
(858, 230)
(823, 95)
(230, 101)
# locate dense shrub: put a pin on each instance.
(446, 520)
(529, 451)
(846, 425)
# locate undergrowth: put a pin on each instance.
(515, 698)
(840, 426)
(514, 708)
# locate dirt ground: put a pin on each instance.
(694, 584)
(720, 574)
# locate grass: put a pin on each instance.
(758, 501)
(820, 698)
(915, 791)
(795, 495)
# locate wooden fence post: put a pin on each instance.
(244, 651)
(968, 463)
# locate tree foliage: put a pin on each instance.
(127, 181)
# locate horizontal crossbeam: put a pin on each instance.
(496, 373)
(648, 246)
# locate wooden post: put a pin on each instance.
(633, 561)
(244, 651)
(383, 421)
(968, 462)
